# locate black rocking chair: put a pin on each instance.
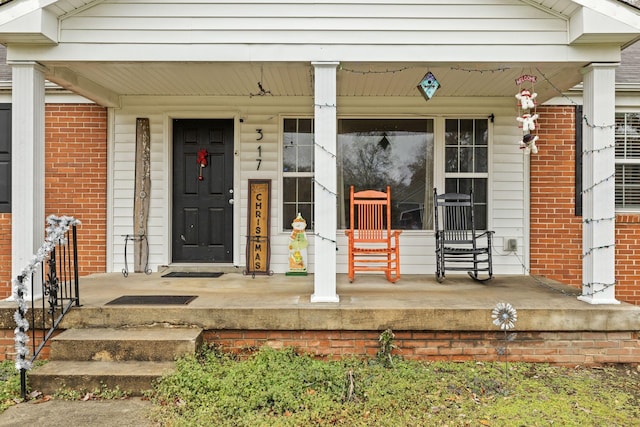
(458, 247)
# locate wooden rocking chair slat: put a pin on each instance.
(373, 246)
(458, 246)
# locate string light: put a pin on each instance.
(584, 117)
(472, 70)
(562, 291)
(323, 148)
(586, 121)
(325, 105)
(587, 220)
(348, 70)
(586, 190)
(597, 150)
(592, 250)
(333, 193)
(605, 286)
(324, 238)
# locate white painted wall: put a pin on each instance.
(508, 180)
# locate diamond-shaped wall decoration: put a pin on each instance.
(428, 85)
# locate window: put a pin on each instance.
(627, 141)
(5, 157)
(374, 153)
(297, 168)
(466, 162)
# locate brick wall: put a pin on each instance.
(76, 176)
(75, 183)
(556, 232)
(563, 348)
(628, 258)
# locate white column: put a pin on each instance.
(27, 164)
(598, 185)
(325, 188)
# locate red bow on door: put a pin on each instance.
(202, 162)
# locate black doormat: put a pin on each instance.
(153, 300)
(192, 274)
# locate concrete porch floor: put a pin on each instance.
(279, 302)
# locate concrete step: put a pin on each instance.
(126, 344)
(131, 377)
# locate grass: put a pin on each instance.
(282, 388)
(9, 384)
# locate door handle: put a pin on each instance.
(230, 201)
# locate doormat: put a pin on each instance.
(153, 300)
(192, 274)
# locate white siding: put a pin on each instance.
(508, 180)
(329, 22)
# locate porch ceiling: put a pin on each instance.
(101, 81)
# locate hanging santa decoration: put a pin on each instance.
(202, 162)
(527, 116)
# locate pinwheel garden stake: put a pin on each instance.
(505, 316)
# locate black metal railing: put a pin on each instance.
(45, 291)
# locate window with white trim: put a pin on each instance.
(297, 171)
(627, 141)
(466, 156)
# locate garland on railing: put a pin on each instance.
(56, 230)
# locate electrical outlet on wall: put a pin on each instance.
(510, 245)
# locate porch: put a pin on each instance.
(433, 321)
(416, 302)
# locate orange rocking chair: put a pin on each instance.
(373, 246)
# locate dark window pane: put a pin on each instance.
(305, 190)
(481, 132)
(289, 212)
(376, 153)
(305, 159)
(451, 159)
(290, 125)
(481, 161)
(466, 159)
(305, 126)
(289, 155)
(466, 132)
(289, 189)
(451, 132)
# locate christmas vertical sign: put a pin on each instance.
(258, 224)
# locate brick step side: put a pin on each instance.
(126, 344)
(131, 377)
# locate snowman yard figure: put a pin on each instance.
(298, 247)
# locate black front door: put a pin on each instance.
(202, 196)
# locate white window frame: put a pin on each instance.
(440, 170)
(284, 175)
(626, 161)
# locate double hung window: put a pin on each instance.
(627, 142)
(297, 171)
(466, 162)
